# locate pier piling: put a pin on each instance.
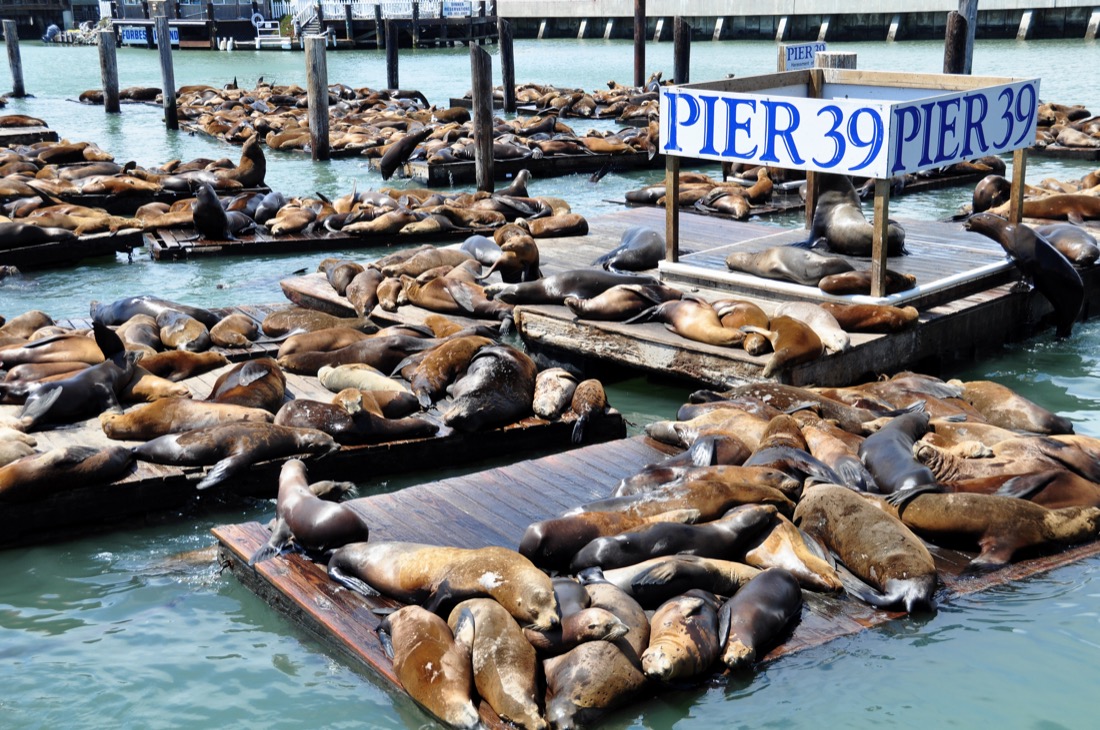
(954, 45)
(108, 67)
(681, 50)
(392, 80)
(167, 75)
(11, 37)
(507, 64)
(481, 71)
(317, 95)
(639, 42)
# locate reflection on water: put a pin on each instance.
(116, 629)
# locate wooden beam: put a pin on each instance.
(879, 247)
(507, 64)
(672, 208)
(681, 50)
(481, 71)
(317, 96)
(1019, 174)
(108, 68)
(639, 42)
(167, 75)
(11, 37)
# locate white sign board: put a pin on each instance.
(872, 138)
(457, 8)
(799, 56)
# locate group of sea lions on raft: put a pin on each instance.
(699, 562)
(1066, 125)
(141, 348)
(625, 104)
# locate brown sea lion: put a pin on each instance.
(781, 545)
(589, 402)
(388, 404)
(254, 384)
(61, 348)
(1073, 242)
(442, 365)
(712, 492)
(383, 352)
(1081, 206)
(684, 639)
(181, 331)
(175, 415)
(323, 340)
(177, 365)
(874, 318)
(496, 390)
(1001, 406)
(362, 291)
(788, 263)
(652, 582)
(144, 387)
(140, 332)
(25, 324)
(693, 320)
(554, 389)
(119, 311)
(235, 330)
(287, 321)
(580, 283)
(839, 222)
(361, 427)
(432, 664)
(828, 330)
(71, 467)
(894, 566)
(859, 282)
(757, 615)
(793, 342)
(621, 302)
(432, 575)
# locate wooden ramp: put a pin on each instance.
(66, 253)
(494, 507)
(153, 488)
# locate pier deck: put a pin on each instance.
(494, 507)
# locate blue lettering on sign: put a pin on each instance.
(900, 137)
(674, 122)
(734, 126)
(773, 131)
(974, 125)
(947, 127)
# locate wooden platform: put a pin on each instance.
(65, 253)
(1066, 153)
(25, 135)
(455, 173)
(494, 507)
(127, 205)
(155, 489)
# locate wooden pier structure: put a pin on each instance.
(74, 250)
(494, 507)
(453, 173)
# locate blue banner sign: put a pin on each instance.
(131, 35)
(873, 137)
(800, 56)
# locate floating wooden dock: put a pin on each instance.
(126, 205)
(1066, 153)
(494, 507)
(154, 488)
(26, 135)
(66, 253)
(455, 173)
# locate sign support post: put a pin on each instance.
(672, 208)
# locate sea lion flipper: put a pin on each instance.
(703, 451)
(724, 619)
(250, 373)
(858, 589)
(35, 409)
(645, 315)
(1025, 486)
(351, 582)
(464, 628)
(110, 344)
(385, 640)
(224, 469)
(996, 553)
(578, 429)
(280, 535)
(439, 597)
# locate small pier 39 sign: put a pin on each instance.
(871, 131)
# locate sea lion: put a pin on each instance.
(398, 152)
(999, 525)
(710, 491)
(19, 235)
(553, 392)
(235, 330)
(888, 455)
(357, 375)
(684, 639)
(793, 342)
(721, 538)
(432, 663)
(640, 248)
(209, 216)
(177, 365)
(893, 567)
(12, 449)
(181, 331)
(144, 387)
(71, 467)
(693, 320)
(484, 250)
(621, 302)
(175, 415)
(433, 575)
(990, 192)
(506, 669)
(737, 313)
(424, 260)
(24, 325)
(496, 390)
(654, 581)
(362, 291)
(859, 282)
(340, 273)
(361, 427)
(781, 545)
(1072, 206)
(839, 222)
(233, 447)
(442, 365)
(872, 318)
(254, 384)
(323, 340)
(140, 332)
(1050, 272)
(788, 263)
(383, 352)
(552, 226)
(580, 283)
(589, 402)
(312, 522)
(119, 311)
(756, 615)
(1002, 406)
(384, 403)
(1073, 242)
(824, 324)
(286, 321)
(56, 349)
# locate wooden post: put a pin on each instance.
(317, 95)
(507, 64)
(681, 50)
(815, 89)
(379, 27)
(349, 29)
(639, 42)
(481, 71)
(416, 23)
(1016, 199)
(672, 208)
(11, 36)
(969, 10)
(391, 56)
(108, 68)
(881, 225)
(167, 75)
(835, 59)
(954, 44)
(213, 25)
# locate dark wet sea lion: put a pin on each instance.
(756, 615)
(362, 291)
(497, 389)
(888, 455)
(991, 191)
(413, 572)
(621, 302)
(398, 153)
(839, 221)
(684, 639)
(383, 352)
(640, 248)
(233, 447)
(175, 415)
(71, 467)
(788, 263)
(652, 582)
(793, 342)
(119, 311)
(581, 283)
(506, 668)
(176, 365)
(18, 235)
(254, 384)
(209, 216)
(893, 564)
(362, 427)
(1051, 272)
(874, 318)
(432, 664)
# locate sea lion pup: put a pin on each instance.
(1049, 271)
(506, 669)
(384, 403)
(999, 525)
(788, 263)
(71, 467)
(757, 615)
(554, 389)
(721, 538)
(175, 415)
(683, 637)
(286, 321)
(652, 582)
(871, 318)
(359, 376)
(693, 320)
(892, 566)
(119, 311)
(233, 447)
(432, 663)
(496, 390)
(580, 283)
(1002, 406)
(177, 365)
(824, 324)
(255, 384)
(434, 575)
(589, 402)
(839, 222)
(361, 427)
(575, 700)
(179, 331)
(1073, 242)
(442, 365)
(621, 302)
(235, 330)
(793, 342)
(312, 522)
(640, 248)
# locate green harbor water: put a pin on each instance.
(121, 629)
